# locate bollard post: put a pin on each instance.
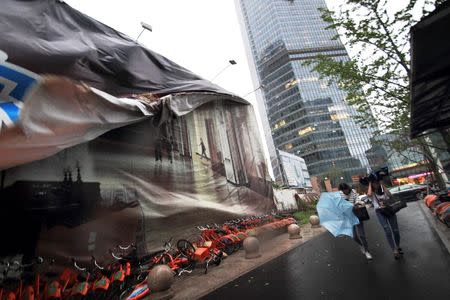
(294, 232)
(314, 221)
(159, 281)
(251, 247)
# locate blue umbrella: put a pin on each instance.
(336, 214)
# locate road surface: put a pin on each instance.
(334, 268)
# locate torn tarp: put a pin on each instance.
(87, 168)
(79, 187)
(59, 114)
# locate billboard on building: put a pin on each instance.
(294, 170)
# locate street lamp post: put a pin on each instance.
(145, 27)
(231, 62)
(262, 86)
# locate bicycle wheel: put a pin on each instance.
(196, 240)
(186, 248)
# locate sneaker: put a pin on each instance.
(368, 256)
(400, 250)
(396, 254)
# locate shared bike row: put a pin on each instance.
(125, 275)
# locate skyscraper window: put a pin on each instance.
(308, 116)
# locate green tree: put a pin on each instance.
(376, 78)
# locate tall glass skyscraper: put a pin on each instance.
(307, 116)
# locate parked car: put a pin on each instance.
(409, 192)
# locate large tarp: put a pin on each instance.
(142, 183)
(48, 36)
(430, 82)
(84, 170)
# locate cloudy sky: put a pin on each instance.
(201, 35)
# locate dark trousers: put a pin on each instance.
(359, 235)
(390, 227)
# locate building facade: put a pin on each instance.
(294, 170)
(306, 115)
(407, 166)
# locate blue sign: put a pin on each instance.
(15, 85)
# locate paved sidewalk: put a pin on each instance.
(198, 284)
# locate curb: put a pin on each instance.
(442, 231)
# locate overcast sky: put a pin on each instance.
(201, 35)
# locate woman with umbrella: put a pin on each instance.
(359, 234)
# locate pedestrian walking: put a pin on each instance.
(202, 146)
(380, 195)
(359, 233)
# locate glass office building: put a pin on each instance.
(307, 116)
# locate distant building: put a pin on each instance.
(294, 171)
(405, 166)
(304, 114)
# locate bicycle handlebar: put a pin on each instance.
(126, 247)
(96, 264)
(74, 262)
(115, 256)
(168, 244)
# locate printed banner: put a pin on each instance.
(142, 183)
(16, 84)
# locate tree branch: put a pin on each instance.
(393, 44)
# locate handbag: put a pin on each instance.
(361, 213)
(392, 206)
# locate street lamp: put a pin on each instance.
(262, 86)
(145, 27)
(231, 62)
